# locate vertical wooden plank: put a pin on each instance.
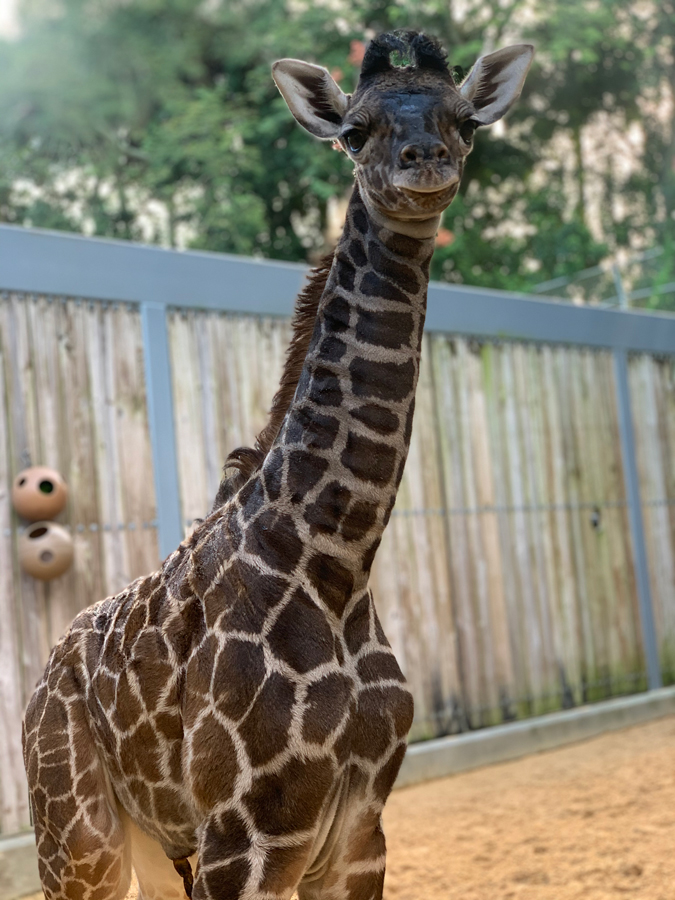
(544, 489)
(666, 407)
(188, 416)
(213, 462)
(87, 578)
(566, 577)
(24, 448)
(589, 425)
(132, 437)
(567, 380)
(14, 814)
(528, 615)
(418, 522)
(445, 362)
(530, 427)
(482, 376)
(467, 377)
(384, 583)
(96, 447)
(498, 439)
(650, 435)
(666, 380)
(428, 453)
(627, 644)
(42, 322)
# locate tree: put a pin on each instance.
(158, 120)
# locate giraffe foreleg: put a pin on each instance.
(356, 868)
(82, 850)
(237, 862)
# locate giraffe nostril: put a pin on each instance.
(410, 155)
(440, 151)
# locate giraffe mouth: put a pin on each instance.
(427, 181)
(428, 198)
(429, 193)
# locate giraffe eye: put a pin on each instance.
(466, 131)
(355, 140)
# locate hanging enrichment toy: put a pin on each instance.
(45, 550)
(39, 493)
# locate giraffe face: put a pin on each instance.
(408, 129)
(408, 137)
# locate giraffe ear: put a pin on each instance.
(495, 82)
(312, 96)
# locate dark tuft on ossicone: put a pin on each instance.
(423, 51)
(428, 53)
(377, 58)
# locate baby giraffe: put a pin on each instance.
(233, 724)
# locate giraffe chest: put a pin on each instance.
(299, 684)
(271, 718)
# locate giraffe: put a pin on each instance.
(232, 724)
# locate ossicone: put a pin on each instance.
(422, 51)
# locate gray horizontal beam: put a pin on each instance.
(451, 755)
(69, 265)
(515, 317)
(35, 261)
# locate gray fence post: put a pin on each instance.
(162, 431)
(630, 474)
(620, 290)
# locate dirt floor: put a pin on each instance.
(595, 821)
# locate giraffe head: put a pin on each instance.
(408, 129)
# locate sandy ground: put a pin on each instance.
(595, 821)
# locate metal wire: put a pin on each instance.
(527, 507)
(91, 527)
(418, 511)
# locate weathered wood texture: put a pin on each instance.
(652, 383)
(72, 396)
(538, 544)
(225, 370)
(505, 579)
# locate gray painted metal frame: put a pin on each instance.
(162, 430)
(35, 261)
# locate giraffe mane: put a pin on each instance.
(247, 460)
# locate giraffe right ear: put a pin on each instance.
(312, 96)
(495, 82)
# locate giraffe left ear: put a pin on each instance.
(495, 82)
(312, 96)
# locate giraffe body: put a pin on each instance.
(241, 709)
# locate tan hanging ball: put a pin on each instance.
(45, 550)
(39, 493)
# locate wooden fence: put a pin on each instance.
(505, 581)
(72, 396)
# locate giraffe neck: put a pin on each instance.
(339, 456)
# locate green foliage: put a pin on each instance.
(158, 119)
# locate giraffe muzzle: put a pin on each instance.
(427, 180)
